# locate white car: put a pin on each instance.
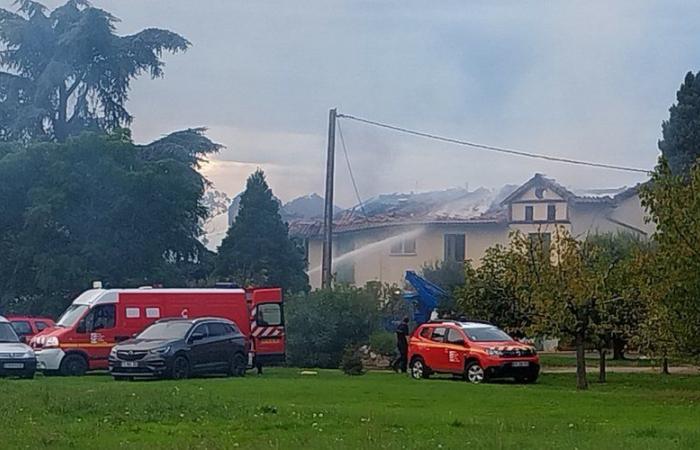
(16, 358)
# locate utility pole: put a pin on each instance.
(327, 263)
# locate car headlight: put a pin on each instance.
(494, 352)
(160, 351)
(51, 341)
(27, 354)
(113, 352)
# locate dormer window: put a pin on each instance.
(529, 213)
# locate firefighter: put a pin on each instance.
(401, 362)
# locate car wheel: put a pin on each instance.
(475, 373)
(418, 369)
(73, 366)
(180, 369)
(238, 365)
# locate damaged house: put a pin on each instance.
(393, 233)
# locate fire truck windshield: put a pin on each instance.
(72, 315)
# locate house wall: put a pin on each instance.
(373, 260)
(627, 216)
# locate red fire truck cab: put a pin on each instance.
(99, 318)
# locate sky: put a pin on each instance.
(588, 80)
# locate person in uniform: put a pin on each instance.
(401, 362)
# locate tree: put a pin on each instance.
(673, 203)
(323, 323)
(257, 249)
(680, 145)
(448, 275)
(99, 207)
(491, 291)
(66, 71)
(565, 285)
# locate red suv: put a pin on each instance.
(477, 351)
(27, 326)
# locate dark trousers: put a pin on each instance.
(401, 362)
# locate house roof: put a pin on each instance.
(539, 180)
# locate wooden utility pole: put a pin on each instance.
(327, 263)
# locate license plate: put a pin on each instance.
(130, 364)
(521, 363)
(13, 366)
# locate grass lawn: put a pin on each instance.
(283, 409)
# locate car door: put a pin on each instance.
(455, 350)
(436, 356)
(200, 350)
(220, 345)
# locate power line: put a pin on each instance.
(352, 176)
(493, 148)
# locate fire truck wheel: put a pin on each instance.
(73, 366)
(238, 365)
(180, 369)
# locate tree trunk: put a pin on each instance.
(664, 366)
(601, 365)
(618, 346)
(581, 381)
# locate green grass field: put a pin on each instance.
(284, 409)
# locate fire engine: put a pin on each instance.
(99, 318)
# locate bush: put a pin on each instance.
(383, 342)
(351, 364)
(320, 325)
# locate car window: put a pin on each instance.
(22, 327)
(218, 329)
(454, 336)
(101, 318)
(201, 329)
(486, 333)
(41, 325)
(233, 328)
(269, 314)
(438, 334)
(7, 333)
(425, 332)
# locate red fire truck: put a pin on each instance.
(84, 335)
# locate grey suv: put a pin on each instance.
(179, 348)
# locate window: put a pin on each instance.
(202, 329)
(269, 314)
(153, 313)
(529, 213)
(455, 248)
(486, 333)
(165, 330)
(551, 212)
(7, 333)
(101, 317)
(540, 241)
(133, 313)
(454, 336)
(41, 325)
(438, 335)
(426, 332)
(403, 247)
(219, 329)
(22, 327)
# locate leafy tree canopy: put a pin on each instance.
(681, 132)
(99, 207)
(257, 249)
(67, 71)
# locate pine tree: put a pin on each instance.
(257, 249)
(681, 133)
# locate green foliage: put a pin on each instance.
(680, 145)
(491, 292)
(257, 249)
(673, 278)
(448, 275)
(67, 70)
(97, 207)
(321, 324)
(383, 342)
(351, 364)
